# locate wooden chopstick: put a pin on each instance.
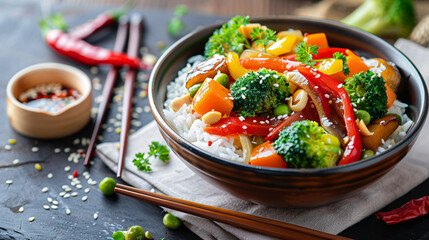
(133, 50)
(121, 37)
(249, 222)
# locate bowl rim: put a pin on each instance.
(165, 126)
(47, 66)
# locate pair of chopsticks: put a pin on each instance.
(135, 29)
(245, 221)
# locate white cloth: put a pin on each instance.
(175, 179)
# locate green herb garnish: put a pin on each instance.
(261, 36)
(156, 150)
(303, 53)
(176, 25)
(338, 55)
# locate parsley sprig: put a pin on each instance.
(156, 150)
(261, 36)
(304, 54)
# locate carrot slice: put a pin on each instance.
(212, 96)
(265, 155)
(318, 39)
(391, 96)
(355, 64)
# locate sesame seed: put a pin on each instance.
(7, 147)
(65, 186)
(37, 166)
(34, 149)
(66, 150)
(70, 177)
(84, 198)
(49, 200)
(95, 216)
(78, 186)
(62, 194)
(9, 182)
(55, 207)
(50, 175)
(74, 194)
(57, 150)
(16, 161)
(67, 168)
(87, 190)
(67, 195)
(21, 209)
(68, 189)
(94, 70)
(45, 189)
(55, 202)
(76, 141)
(68, 211)
(31, 219)
(46, 207)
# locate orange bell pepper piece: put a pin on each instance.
(265, 155)
(355, 64)
(212, 96)
(391, 96)
(318, 39)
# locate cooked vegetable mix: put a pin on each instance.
(287, 99)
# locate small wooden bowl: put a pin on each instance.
(38, 123)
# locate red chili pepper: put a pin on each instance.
(323, 53)
(353, 149)
(86, 53)
(306, 114)
(249, 126)
(209, 143)
(277, 64)
(75, 174)
(410, 210)
(101, 21)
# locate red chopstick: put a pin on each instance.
(242, 220)
(121, 37)
(133, 49)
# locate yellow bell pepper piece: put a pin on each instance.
(234, 67)
(283, 34)
(282, 46)
(331, 66)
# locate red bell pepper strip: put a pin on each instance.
(260, 126)
(323, 53)
(101, 21)
(277, 64)
(86, 53)
(410, 210)
(353, 148)
(306, 114)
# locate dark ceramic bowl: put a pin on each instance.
(290, 187)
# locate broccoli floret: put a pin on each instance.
(227, 38)
(388, 18)
(367, 91)
(305, 144)
(258, 92)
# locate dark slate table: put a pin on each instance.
(21, 46)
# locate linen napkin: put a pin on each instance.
(175, 179)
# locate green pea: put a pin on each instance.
(119, 235)
(107, 186)
(364, 115)
(135, 233)
(194, 89)
(367, 154)
(281, 109)
(171, 221)
(147, 235)
(223, 79)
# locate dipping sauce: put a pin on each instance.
(52, 97)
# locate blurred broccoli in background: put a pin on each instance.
(386, 18)
(305, 144)
(258, 92)
(367, 91)
(176, 25)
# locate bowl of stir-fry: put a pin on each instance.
(287, 111)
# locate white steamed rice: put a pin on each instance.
(191, 127)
